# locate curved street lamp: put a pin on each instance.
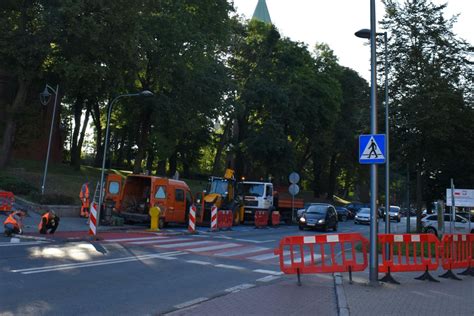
(144, 93)
(45, 97)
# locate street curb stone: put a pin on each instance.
(342, 307)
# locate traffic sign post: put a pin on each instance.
(294, 189)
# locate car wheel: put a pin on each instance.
(431, 230)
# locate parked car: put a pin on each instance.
(461, 225)
(355, 207)
(394, 213)
(363, 216)
(322, 216)
(342, 213)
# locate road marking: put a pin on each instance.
(69, 266)
(191, 302)
(268, 272)
(267, 256)
(243, 251)
(215, 247)
(26, 243)
(255, 241)
(240, 287)
(185, 244)
(204, 263)
(229, 267)
(268, 278)
(135, 239)
(162, 241)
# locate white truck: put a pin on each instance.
(256, 196)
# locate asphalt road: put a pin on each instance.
(139, 274)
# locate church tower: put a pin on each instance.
(261, 12)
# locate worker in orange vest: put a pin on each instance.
(84, 196)
(49, 221)
(14, 223)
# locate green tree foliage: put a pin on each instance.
(431, 96)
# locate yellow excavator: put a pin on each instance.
(221, 193)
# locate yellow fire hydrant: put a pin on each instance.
(155, 217)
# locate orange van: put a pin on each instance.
(132, 198)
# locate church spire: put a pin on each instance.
(261, 12)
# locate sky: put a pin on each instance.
(334, 22)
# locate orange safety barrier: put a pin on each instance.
(409, 252)
(261, 219)
(457, 253)
(322, 254)
(6, 200)
(224, 219)
(275, 218)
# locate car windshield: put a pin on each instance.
(252, 189)
(317, 209)
(364, 211)
(394, 209)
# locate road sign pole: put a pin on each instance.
(453, 208)
(373, 260)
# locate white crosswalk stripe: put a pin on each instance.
(241, 251)
(25, 243)
(185, 244)
(215, 247)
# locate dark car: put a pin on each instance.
(342, 213)
(355, 207)
(319, 216)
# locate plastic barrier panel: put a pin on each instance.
(192, 219)
(224, 219)
(275, 218)
(409, 252)
(6, 200)
(456, 253)
(322, 254)
(261, 219)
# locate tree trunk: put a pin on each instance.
(142, 141)
(220, 147)
(99, 147)
(161, 169)
(173, 164)
(332, 176)
(149, 161)
(10, 127)
(419, 197)
(75, 151)
(82, 135)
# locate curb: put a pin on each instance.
(342, 307)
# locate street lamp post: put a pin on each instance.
(144, 93)
(44, 99)
(365, 33)
(373, 260)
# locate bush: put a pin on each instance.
(52, 199)
(17, 186)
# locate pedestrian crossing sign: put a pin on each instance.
(372, 149)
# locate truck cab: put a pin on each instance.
(257, 196)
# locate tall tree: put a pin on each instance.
(430, 84)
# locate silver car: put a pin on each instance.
(363, 216)
(461, 225)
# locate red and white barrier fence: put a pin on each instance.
(214, 218)
(192, 219)
(225, 219)
(93, 220)
(261, 219)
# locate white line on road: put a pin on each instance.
(268, 272)
(134, 239)
(26, 243)
(215, 247)
(161, 241)
(229, 267)
(191, 302)
(94, 263)
(240, 287)
(268, 278)
(266, 256)
(204, 263)
(185, 244)
(239, 252)
(255, 241)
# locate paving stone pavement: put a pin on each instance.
(315, 296)
(411, 297)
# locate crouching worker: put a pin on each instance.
(14, 223)
(49, 221)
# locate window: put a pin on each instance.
(179, 195)
(189, 199)
(114, 187)
(160, 192)
(269, 190)
(432, 218)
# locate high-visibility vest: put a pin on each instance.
(84, 191)
(11, 220)
(48, 218)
